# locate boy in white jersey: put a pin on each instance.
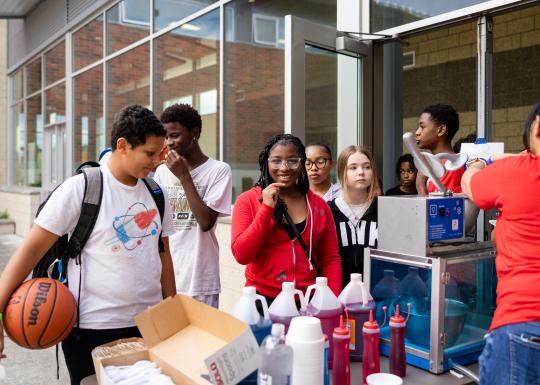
(121, 273)
(200, 190)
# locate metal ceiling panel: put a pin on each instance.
(17, 8)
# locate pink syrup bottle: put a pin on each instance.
(397, 357)
(341, 373)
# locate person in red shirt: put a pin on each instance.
(280, 229)
(437, 126)
(511, 184)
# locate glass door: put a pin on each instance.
(323, 84)
(54, 155)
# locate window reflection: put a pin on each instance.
(17, 84)
(167, 12)
(34, 141)
(18, 144)
(88, 44)
(88, 127)
(186, 70)
(33, 77)
(55, 64)
(392, 13)
(55, 104)
(127, 22)
(128, 81)
(444, 72)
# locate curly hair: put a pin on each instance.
(184, 114)
(135, 123)
(402, 159)
(533, 113)
(265, 179)
(444, 114)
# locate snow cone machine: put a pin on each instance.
(425, 258)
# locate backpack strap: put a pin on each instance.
(93, 193)
(159, 199)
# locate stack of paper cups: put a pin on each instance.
(306, 338)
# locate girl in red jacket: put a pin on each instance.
(280, 229)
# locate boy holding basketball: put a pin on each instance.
(121, 271)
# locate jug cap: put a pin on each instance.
(249, 290)
(278, 329)
(356, 277)
(341, 330)
(322, 281)
(287, 286)
(372, 323)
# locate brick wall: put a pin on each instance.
(445, 71)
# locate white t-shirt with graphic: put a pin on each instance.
(121, 266)
(195, 252)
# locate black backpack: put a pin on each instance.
(55, 261)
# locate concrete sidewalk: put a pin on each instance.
(24, 366)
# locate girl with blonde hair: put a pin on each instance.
(355, 212)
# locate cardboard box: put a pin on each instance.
(111, 350)
(192, 343)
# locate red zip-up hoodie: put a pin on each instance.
(272, 257)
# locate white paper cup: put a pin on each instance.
(305, 329)
(383, 379)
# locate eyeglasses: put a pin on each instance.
(319, 163)
(291, 163)
(409, 171)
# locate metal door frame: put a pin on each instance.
(298, 33)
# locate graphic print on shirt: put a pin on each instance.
(137, 223)
(183, 218)
(350, 235)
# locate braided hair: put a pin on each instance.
(265, 179)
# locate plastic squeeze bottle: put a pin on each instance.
(275, 365)
(370, 358)
(341, 374)
(397, 344)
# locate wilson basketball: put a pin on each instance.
(40, 313)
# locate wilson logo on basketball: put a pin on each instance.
(41, 298)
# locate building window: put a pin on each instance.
(186, 70)
(88, 44)
(88, 125)
(167, 12)
(33, 77)
(265, 29)
(55, 104)
(127, 22)
(18, 163)
(55, 64)
(128, 81)
(34, 141)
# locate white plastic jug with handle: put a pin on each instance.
(283, 309)
(357, 301)
(325, 306)
(246, 310)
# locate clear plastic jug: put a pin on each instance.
(412, 284)
(325, 306)
(357, 302)
(283, 309)
(387, 292)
